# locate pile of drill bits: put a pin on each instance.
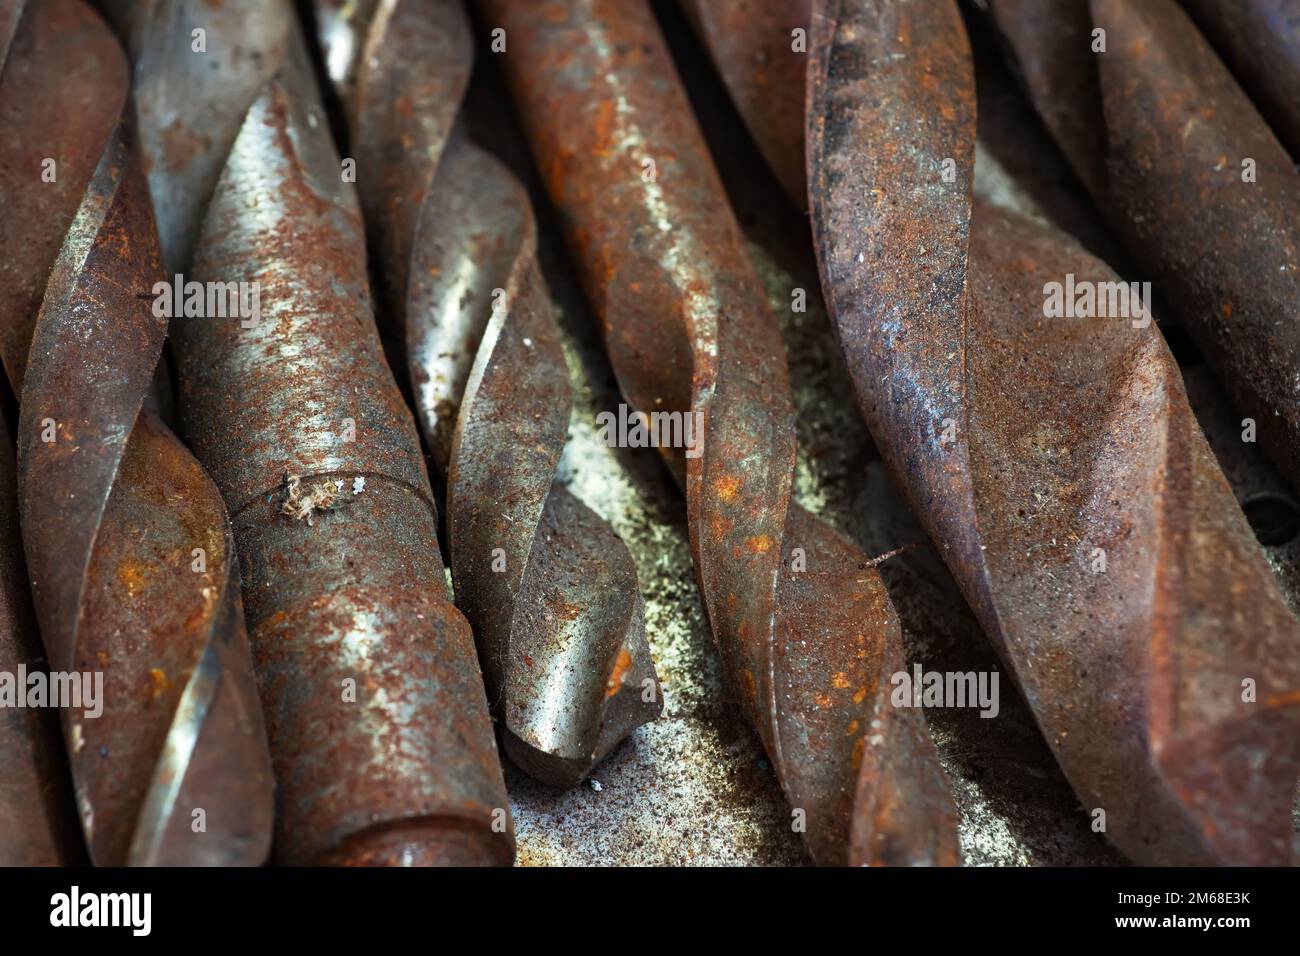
(861, 432)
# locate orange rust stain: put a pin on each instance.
(751, 689)
(1227, 310)
(1283, 700)
(196, 617)
(566, 610)
(621, 666)
(759, 544)
(159, 680)
(840, 680)
(727, 486)
(860, 695)
(858, 747)
(853, 728)
(133, 575)
(823, 700)
(604, 127)
(557, 175)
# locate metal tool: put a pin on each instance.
(127, 541)
(38, 822)
(1191, 177)
(379, 729)
(1053, 459)
(551, 592)
(803, 623)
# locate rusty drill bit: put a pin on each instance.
(1260, 40)
(38, 823)
(1192, 178)
(191, 94)
(802, 621)
(763, 67)
(760, 48)
(380, 734)
(126, 538)
(1054, 460)
(550, 590)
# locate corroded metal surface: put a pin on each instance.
(1159, 131)
(1134, 665)
(198, 65)
(550, 590)
(380, 734)
(695, 787)
(806, 631)
(38, 823)
(761, 50)
(126, 538)
(1260, 40)
(1015, 154)
(1265, 498)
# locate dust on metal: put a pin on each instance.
(113, 508)
(688, 329)
(1081, 510)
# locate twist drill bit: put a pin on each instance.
(1054, 460)
(763, 60)
(38, 824)
(126, 538)
(1260, 40)
(1017, 166)
(803, 623)
(379, 729)
(550, 590)
(1017, 163)
(197, 68)
(1194, 181)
